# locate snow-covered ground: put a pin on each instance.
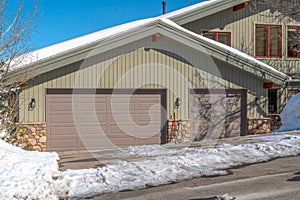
(34, 175)
(290, 115)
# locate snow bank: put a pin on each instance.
(26, 175)
(34, 175)
(185, 164)
(290, 116)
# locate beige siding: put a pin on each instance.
(176, 68)
(241, 24)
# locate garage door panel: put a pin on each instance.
(93, 143)
(61, 118)
(233, 133)
(122, 106)
(63, 144)
(121, 129)
(61, 107)
(147, 134)
(122, 118)
(92, 118)
(150, 98)
(96, 130)
(90, 136)
(94, 107)
(148, 118)
(123, 142)
(121, 98)
(66, 130)
(148, 141)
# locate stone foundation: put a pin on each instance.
(32, 136)
(183, 135)
(263, 125)
(276, 122)
(259, 126)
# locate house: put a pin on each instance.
(124, 85)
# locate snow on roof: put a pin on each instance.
(68, 45)
(64, 47)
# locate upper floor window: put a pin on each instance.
(222, 37)
(268, 41)
(293, 45)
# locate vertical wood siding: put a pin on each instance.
(165, 64)
(241, 24)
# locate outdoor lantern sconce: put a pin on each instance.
(31, 105)
(257, 101)
(177, 103)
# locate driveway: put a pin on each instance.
(84, 159)
(275, 180)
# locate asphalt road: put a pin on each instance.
(275, 180)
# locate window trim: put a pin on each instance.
(268, 40)
(216, 33)
(287, 40)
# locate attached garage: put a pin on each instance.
(104, 118)
(217, 113)
(141, 59)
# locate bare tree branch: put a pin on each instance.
(17, 23)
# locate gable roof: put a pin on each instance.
(186, 14)
(59, 55)
(200, 10)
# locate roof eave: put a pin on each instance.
(205, 11)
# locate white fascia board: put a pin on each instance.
(78, 54)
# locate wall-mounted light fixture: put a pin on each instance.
(177, 103)
(257, 100)
(31, 105)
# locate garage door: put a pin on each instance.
(217, 113)
(103, 119)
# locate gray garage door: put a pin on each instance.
(103, 119)
(217, 113)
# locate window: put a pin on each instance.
(268, 41)
(293, 45)
(222, 37)
(272, 103)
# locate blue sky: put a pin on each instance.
(66, 19)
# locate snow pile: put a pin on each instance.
(149, 150)
(26, 175)
(34, 175)
(186, 164)
(290, 116)
(3, 134)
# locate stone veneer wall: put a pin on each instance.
(32, 136)
(259, 125)
(275, 122)
(185, 131)
(263, 125)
